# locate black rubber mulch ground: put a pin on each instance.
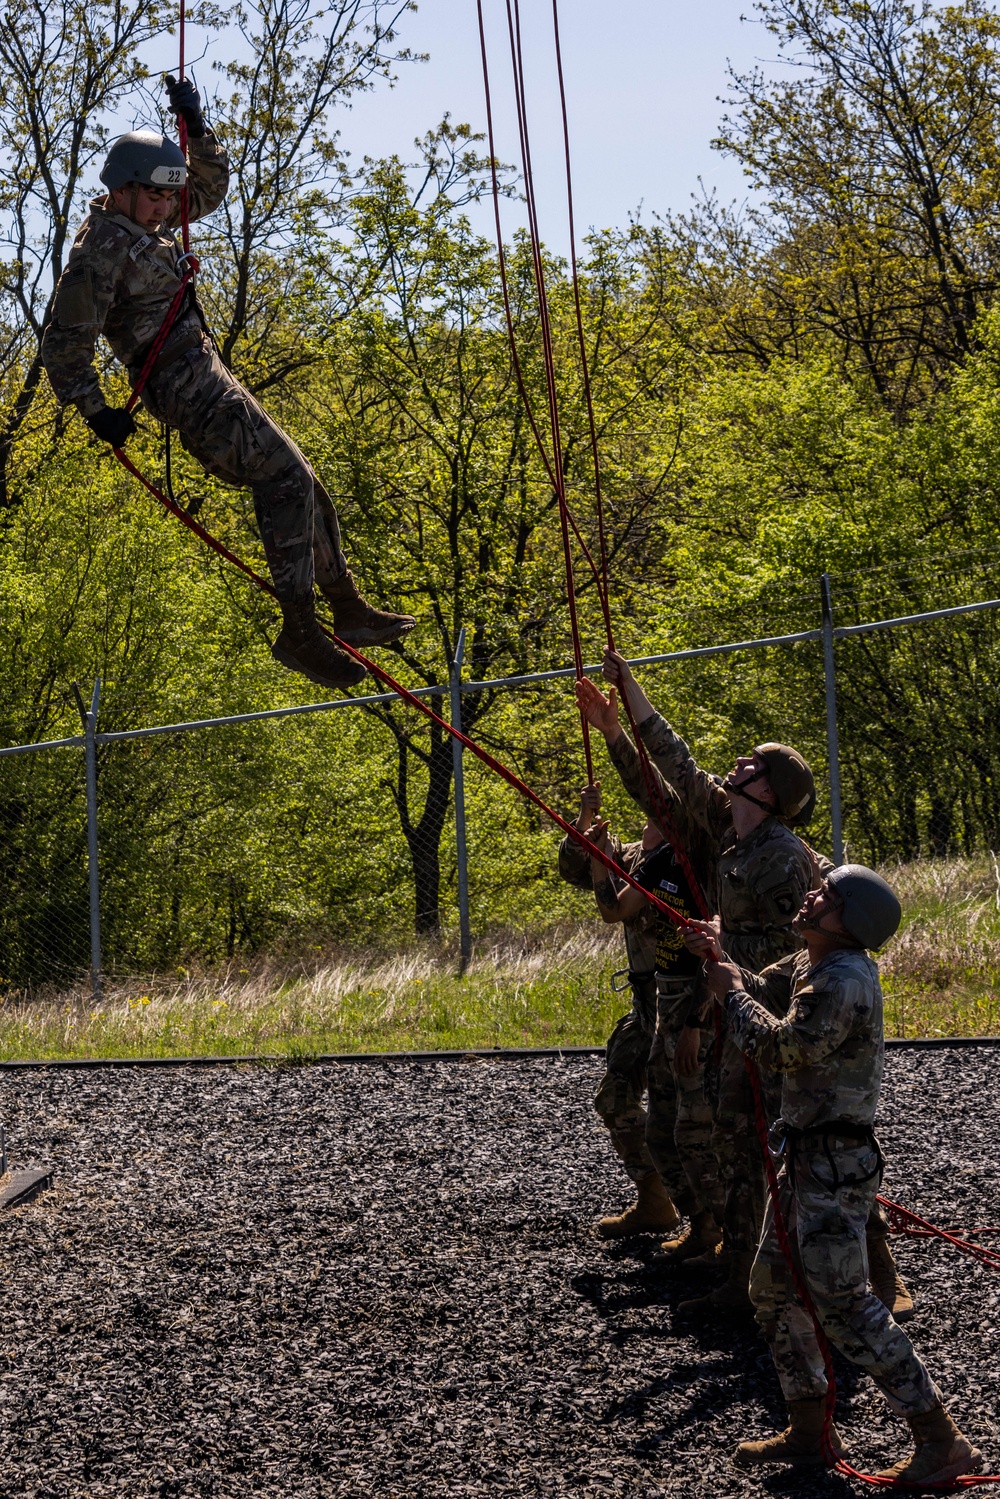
(377, 1281)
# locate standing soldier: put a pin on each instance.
(642, 1138)
(121, 277)
(815, 1017)
(681, 1043)
(763, 873)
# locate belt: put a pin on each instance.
(173, 351)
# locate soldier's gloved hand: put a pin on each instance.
(113, 424)
(186, 102)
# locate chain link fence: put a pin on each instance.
(136, 851)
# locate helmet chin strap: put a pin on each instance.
(740, 788)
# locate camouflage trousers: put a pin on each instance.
(737, 1147)
(234, 439)
(619, 1098)
(693, 1121)
(826, 1222)
(670, 1135)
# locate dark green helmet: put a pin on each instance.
(791, 781)
(870, 910)
(143, 156)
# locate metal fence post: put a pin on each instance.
(90, 750)
(458, 772)
(832, 741)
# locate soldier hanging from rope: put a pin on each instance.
(120, 279)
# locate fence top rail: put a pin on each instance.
(25, 749)
(562, 672)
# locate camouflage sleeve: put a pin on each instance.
(208, 178)
(574, 864)
(778, 883)
(772, 989)
(625, 758)
(823, 1014)
(81, 304)
(701, 793)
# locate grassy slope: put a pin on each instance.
(941, 976)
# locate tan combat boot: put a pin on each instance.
(303, 647)
(356, 621)
(942, 1452)
(801, 1442)
(703, 1237)
(651, 1213)
(886, 1281)
(732, 1296)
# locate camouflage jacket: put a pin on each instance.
(760, 880)
(120, 280)
(640, 932)
(829, 1046)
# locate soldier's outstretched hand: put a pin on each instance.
(590, 805)
(597, 709)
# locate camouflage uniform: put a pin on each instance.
(675, 1136)
(642, 1138)
(120, 281)
(829, 1051)
(760, 882)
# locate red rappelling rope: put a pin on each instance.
(554, 464)
(902, 1221)
(381, 675)
(967, 1481)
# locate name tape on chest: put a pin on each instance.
(140, 245)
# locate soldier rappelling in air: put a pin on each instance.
(121, 278)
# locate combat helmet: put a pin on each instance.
(791, 781)
(870, 910)
(145, 157)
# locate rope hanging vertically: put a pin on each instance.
(553, 463)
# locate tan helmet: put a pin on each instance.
(791, 781)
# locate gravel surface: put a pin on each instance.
(377, 1281)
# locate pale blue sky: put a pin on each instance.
(643, 85)
(643, 82)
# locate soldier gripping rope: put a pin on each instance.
(815, 1018)
(680, 1043)
(121, 277)
(763, 873)
(642, 1137)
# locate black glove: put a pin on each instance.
(186, 102)
(112, 424)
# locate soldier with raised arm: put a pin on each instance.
(763, 873)
(641, 1135)
(121, 278)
